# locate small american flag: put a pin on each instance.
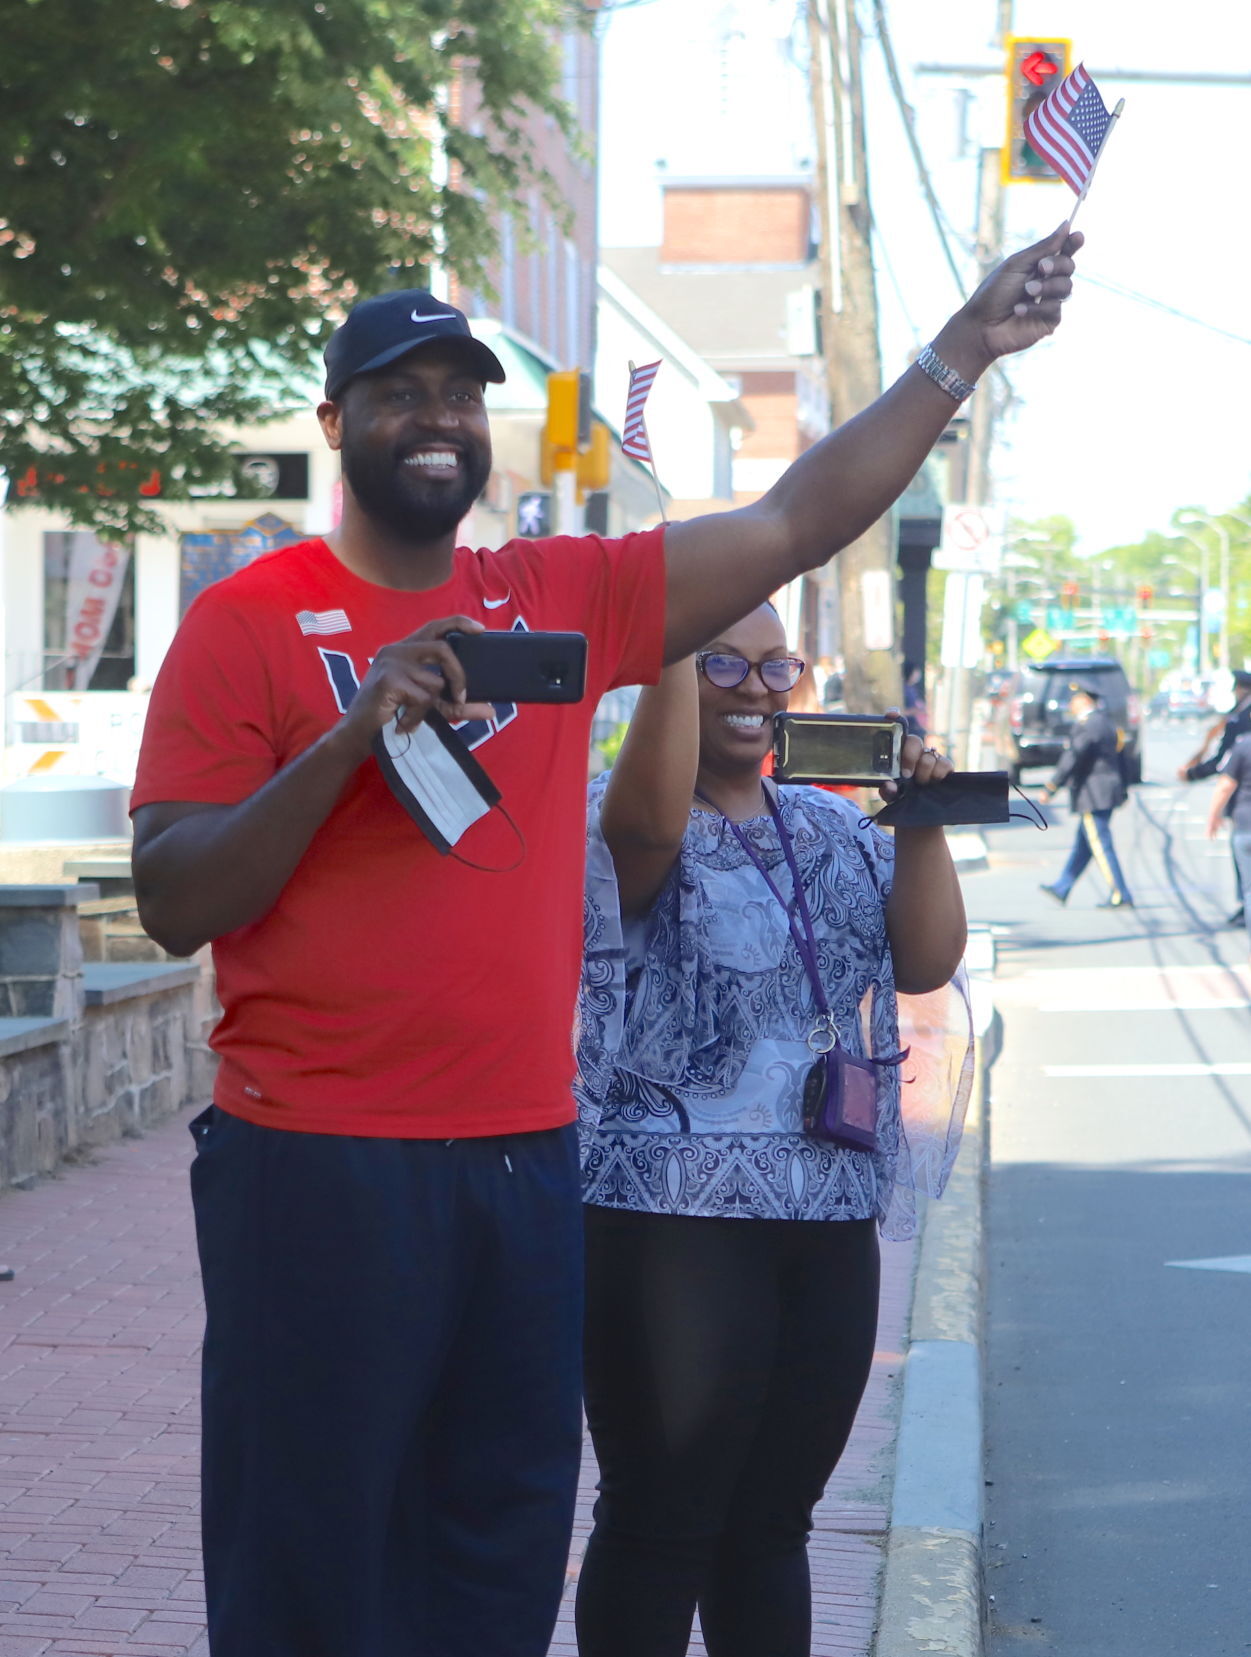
(634, 435)
(1069, 126)
(323, 621)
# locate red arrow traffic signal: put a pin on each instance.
(1031, 66)
(1037, 67)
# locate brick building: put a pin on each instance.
(735, 277)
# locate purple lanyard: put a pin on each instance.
(805, 940)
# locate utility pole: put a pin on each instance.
(978, 488)
(866, 569)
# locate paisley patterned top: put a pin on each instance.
(693, 1022)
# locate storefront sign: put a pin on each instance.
(96, 570)
(212, 556)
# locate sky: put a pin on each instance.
(1128, 413)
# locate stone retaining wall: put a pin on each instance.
(89, 1051)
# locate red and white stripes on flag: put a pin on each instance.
(634, 432)
(1069, 126)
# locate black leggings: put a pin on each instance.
(725, 1362)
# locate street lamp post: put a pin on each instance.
(1193, 515)
(1203, 655)
(1201, 586)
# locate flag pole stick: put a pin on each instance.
(1116, 115)
(660, 500)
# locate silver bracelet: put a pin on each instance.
(945, 378)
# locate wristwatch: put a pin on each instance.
(945, 378)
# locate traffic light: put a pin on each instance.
(1069, 591)
(1145, 595)
(1033, 68)
(568, 427)
(595, 464)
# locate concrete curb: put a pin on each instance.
(933, 1597)
(968, 850)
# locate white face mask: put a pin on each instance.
(435, 778)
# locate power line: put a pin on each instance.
(943, 227)
(1159, 305)
(882, 248)
(914, 144)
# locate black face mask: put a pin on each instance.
(960, 797)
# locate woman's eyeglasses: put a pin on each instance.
(725, 670)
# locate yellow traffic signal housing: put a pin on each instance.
(563, 397)
(1033, 68)
(595, 466)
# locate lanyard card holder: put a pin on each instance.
(840, 1101)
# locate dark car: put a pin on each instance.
(1030, 716)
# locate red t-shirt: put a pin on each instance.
(392, 992)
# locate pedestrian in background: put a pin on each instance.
(732, 1254)
(1231, 801)
(1236, 723)
(1092, 770)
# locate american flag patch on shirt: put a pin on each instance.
(323, 621)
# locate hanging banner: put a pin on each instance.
(95, 571)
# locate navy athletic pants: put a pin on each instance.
(390, 1392)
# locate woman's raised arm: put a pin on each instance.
(648, 799)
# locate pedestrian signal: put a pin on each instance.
(1033, 68)
(534, 513)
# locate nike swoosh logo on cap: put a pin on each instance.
(439, 316)
(494, 603)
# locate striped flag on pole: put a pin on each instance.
(1069, 126)
(634, 433)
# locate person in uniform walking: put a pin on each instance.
(1092, 771)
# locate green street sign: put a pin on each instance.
(1024, 612)
(1119, 620)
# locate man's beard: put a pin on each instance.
(398, 498)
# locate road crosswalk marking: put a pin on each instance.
(1229, 1263)
(1202, 988)
(1101, 1072)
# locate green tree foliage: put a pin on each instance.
(191, 186)
(1168, 562)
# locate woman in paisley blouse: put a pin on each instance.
(732, 1261)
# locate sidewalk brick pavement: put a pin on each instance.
(99, 1358)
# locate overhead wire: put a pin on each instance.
(1120, 289)
(942, 226)
(908, 116)
(946, 232)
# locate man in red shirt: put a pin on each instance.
(386, 1187)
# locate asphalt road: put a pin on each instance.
(1118, 1408)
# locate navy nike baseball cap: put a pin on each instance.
(380, 330)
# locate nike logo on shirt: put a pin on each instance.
(494, 603)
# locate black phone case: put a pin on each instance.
(521, 666)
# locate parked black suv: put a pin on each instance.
(1030, 714)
